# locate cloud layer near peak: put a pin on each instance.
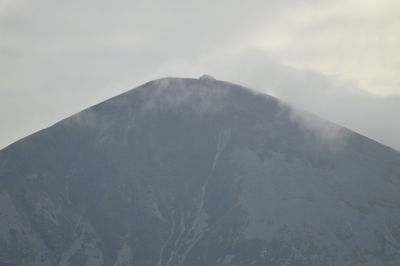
(330, 57)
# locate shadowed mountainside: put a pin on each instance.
(198, 172)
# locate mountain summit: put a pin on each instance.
(194, 172)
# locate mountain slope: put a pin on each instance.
(198, 172)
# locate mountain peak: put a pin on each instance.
(207, 77)
(189, 172)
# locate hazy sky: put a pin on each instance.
(339, 59)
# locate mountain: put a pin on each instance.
(194, 172)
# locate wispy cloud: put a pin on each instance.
(59, 57)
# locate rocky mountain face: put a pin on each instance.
(194, 172)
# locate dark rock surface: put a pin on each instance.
(198, 172)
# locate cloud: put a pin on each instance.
(327, 133)
(60, 57)
(172, 93)
(330, 97)
(337, 100)
(355, 39)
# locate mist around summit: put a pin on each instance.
(186, 172)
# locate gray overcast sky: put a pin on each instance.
(339, 59)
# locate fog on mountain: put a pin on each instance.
(194, 172)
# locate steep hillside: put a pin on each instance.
(198, 172)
